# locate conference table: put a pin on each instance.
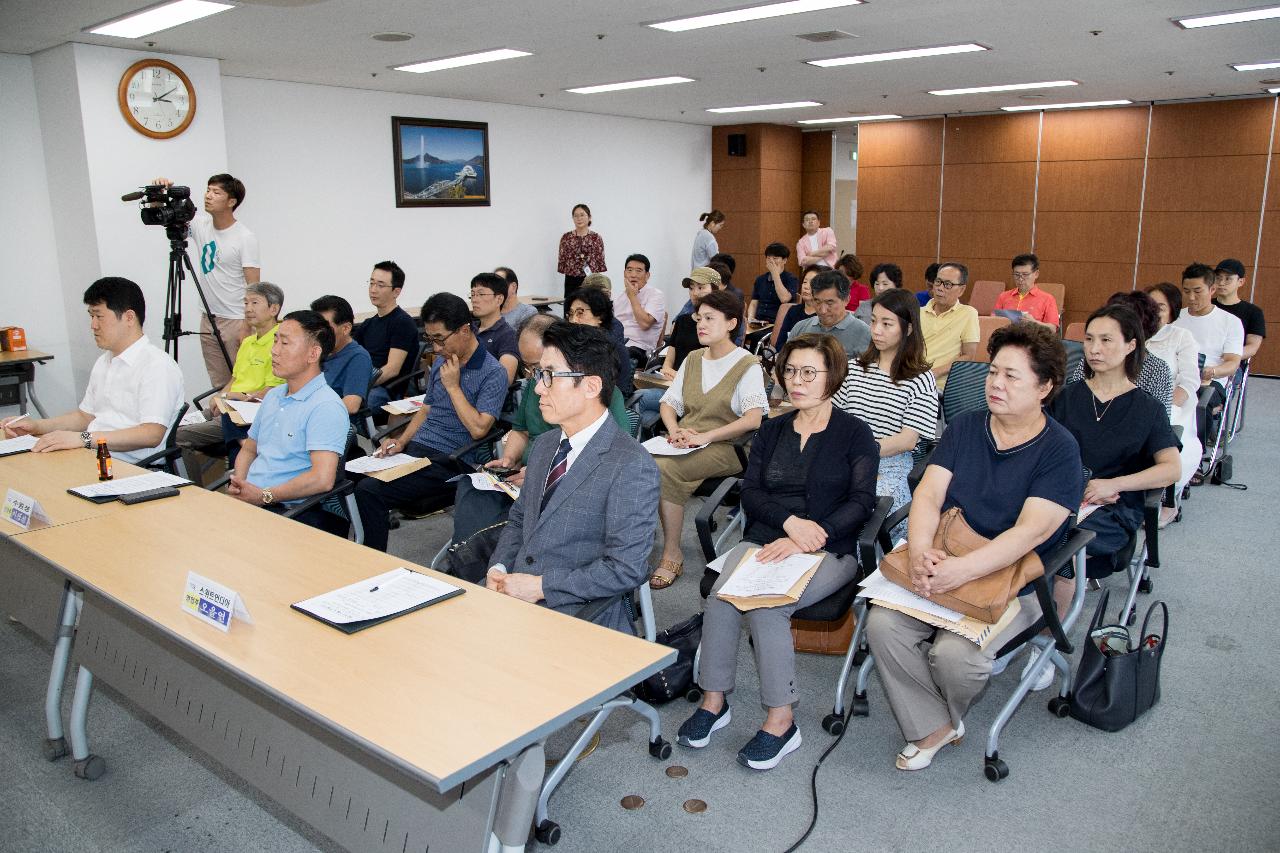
(422, 732)
(19, 368)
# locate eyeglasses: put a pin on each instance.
(578, 313)
(1023, 276)
(434, 341)
(379, 284)
(476, 293)
(948, 285)
(545, 376)
(1223, 278)
(806, 374)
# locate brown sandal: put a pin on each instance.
(665, 574)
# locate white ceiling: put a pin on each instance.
(328, 42)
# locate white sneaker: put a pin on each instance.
(999, 665)
(1046, 677)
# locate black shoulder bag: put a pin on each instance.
(1117, 682)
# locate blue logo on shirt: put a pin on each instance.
(208, 255)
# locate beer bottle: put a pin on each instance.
(104, 460)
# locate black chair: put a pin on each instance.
(363, 416)
(169, 458)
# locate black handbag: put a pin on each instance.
(469, 559)
(1116, 686)
(676, 679)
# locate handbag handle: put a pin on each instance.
(1096, 622)
(1164, 633)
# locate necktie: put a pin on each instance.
(559, 465)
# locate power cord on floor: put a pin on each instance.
(813, 785)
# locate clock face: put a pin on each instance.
(156, 98)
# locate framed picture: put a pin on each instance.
(440, 163)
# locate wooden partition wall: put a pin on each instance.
(1108, 199)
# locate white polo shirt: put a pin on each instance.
(141, 385)
(1216, 333)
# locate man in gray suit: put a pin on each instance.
(583, 526)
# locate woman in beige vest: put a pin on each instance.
(717, 395)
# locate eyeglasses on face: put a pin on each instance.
(477, 292)
(948, 285)
(380, 285)
(545, 376)
(580, 313)
(1023, 276)
(806, 374)
(434, 341)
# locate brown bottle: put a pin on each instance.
(104, 460)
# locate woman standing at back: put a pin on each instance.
(704, 244)
(580, 250)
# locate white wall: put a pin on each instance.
(30, 286)
(318, 167)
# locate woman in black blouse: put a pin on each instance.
(809, 487)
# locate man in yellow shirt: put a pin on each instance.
(251, 377)
(950, 329)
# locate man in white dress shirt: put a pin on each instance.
(134, 390)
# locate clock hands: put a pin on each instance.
(165, 96)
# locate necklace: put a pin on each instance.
(1096, 416)
(1016, 448)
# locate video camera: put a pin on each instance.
(165, 206)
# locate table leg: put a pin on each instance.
(517, 800)
(30, 388)
(87, 766)
(55, 746)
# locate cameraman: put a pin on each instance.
(227, 254)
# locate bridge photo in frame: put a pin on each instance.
(440, 163)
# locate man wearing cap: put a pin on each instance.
(830, 295)
(1228, 279)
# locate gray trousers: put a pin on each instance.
(770, 628)
(932, 684)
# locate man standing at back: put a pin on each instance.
(583, 525)
(1033, 303)
(951, 330)
(1228, 279)
(830, 291)
(390, 336)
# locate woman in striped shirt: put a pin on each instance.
(891, 387)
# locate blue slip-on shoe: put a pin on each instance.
(696, 731)
(764, 751)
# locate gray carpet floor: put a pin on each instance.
(1201, 772)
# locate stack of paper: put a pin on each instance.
(129, 485)
(368, 602)
(886, 593)
(407, 406)
(387, 468)
(21, 444)
(754, 584)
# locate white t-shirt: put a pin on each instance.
(142, 385)
(749, 393)
(220, 257)
(1216, 333)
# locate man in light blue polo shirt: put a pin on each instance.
(299, 435)
(349, 368)
(464, 398)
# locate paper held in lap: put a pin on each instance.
(407, 406)
(886, 593)
(660, 446)
(241, 412)
(387, 468)
(753, 584)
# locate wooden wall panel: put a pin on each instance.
(815, 174)
(1088, 284)
(1094, 134)
(1206, 183)
(1089, 185)
(1085, 236)
(1211, 128)
(882, 188)
(992, 139)
(1171, 237)
(969, 236)
(894, 234)
(759, 193)
(989, 186)
(900, 143)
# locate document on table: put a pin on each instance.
(370, 464)
(755, 578)
(248, 411)
(21, 444)
(128, 485)
(377, 599)
(659, 446)
(407, 406)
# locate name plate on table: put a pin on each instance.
(213, 603)
(23, 510)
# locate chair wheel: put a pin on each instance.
(1059, 707)
(660, 749)
(54, 748)
(1131, 617)
(995, 769)
(548, 833)
(1144, 585)
(90, 768)
(693, 694)
(859, 707)
(859, 656)
(833, 723)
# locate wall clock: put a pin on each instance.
(157, 98)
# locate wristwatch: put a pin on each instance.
(87, 438)
(267, 497)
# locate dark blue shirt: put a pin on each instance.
(484, 384)
(991, 485)
(499, 339)
(766, 295)
(349, 370)
(380, 335)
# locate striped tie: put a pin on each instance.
(559, 465)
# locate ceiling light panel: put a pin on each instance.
(1077, 105)
(750, 13)
(1244, 16)
(1008, 87)
(634, 84)
(792, 105)
(889, 55)
(461, 61)
(1256, 66)
(849, 119)
(158, 18)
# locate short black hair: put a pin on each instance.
(893, 272)
(1043, 347)
(1029, 258)
(637, 257)
(316, 327)
(494, 282)
(232, 186)
(340, 307)
(728, 303)
(959, 267)
(397, 274)
(448, 309)
(777, 250)
(931, 273)
(1172, 294)
(119, 295)
(726, 259)
(1198, 270)
(586, 350)
(508, 273)
(595, 299)
(831, 279)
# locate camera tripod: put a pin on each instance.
(178, 258)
